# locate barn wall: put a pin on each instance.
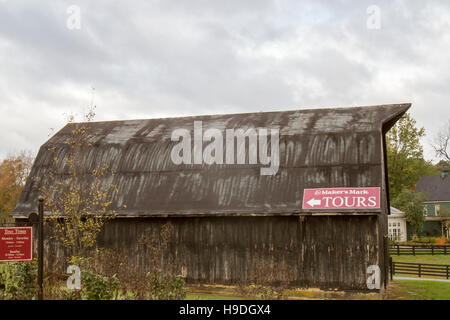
(321, 251)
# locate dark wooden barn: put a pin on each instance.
(230, 217)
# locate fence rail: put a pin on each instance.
(420, 269)
(418, 250)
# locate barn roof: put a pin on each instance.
(436, 188)
(334, 147)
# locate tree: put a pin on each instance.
(14, 171)
(441, 143)
(78, 201)
(443, 165)
(413, 205)
(405, 156)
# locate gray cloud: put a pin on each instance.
(168, 58)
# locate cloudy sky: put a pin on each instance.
(171, 58)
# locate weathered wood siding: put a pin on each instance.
(327, 252)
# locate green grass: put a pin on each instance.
(419, 290)
(432, 259)
(429, 259)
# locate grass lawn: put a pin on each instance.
(418, 290)
(435, 259)
(430, 259)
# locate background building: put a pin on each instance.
(437, 208)
(397, 225)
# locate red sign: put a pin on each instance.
(16, 244)
(341, 198)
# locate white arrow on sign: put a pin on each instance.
(314, 202)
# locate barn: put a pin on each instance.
(273, 195)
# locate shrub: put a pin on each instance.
(112, 274)
(429, 241)
(97, 287)
(265, 282)
(107, 274)
(18, 280)
(425, 240)
(393, 242)
(55, 288)
(67, 294)
(165, 287)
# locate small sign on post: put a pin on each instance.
(16, 244)
(341, 198)
(41, 249)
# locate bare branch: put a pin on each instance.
(441, 143)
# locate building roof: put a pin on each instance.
(396, 212)
(435, 188)
(334, 147)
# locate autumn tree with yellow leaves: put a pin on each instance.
(14, 170)
(78, 201)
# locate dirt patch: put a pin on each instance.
(392, 292)
(291, 294)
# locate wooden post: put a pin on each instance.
(420, 270)
(447, 272)
(432, 250)
(414, 251)
(41, 248)
(398, 249)
(392, 268)
(445, 249)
